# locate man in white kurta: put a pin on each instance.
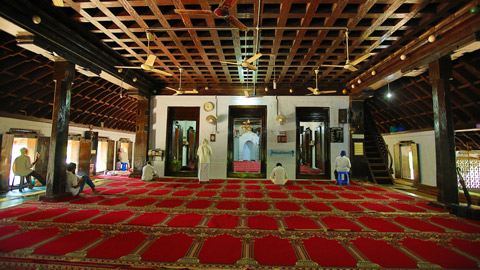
(279, 175)
(204, 153)
(342, 164)
(148, 172)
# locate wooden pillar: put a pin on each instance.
(141, 136)
(93, 137)
(64, 73)
(357, 140)
(440, 73)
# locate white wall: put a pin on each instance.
(286, 104)
(45, 129)
(426, 152)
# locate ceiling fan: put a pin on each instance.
(221, 11)
(350, 65)
(148, 65)
(246, 63)
(180, 91)
(315, 91)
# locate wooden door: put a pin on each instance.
(5, 159)
(43, 148)
(110, 155)
(83, 167)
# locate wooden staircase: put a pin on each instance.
(377, 153)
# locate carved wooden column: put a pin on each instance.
(141, 136)
(64, 73)
(440, 73)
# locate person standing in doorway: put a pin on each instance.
(342, 164)
(204, 153)
(279, 175)
(23, 167)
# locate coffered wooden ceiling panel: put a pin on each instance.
(289, 35)
(295, 37)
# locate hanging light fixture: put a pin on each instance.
(389, 95)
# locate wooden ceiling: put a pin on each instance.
(290, 53)
(295, 37)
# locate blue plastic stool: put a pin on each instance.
(124, 166)
(343, 178)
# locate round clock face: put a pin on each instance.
(208, 106)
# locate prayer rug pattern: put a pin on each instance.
(236, 224)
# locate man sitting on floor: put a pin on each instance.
(148, 172)
(75, 183)
(279, 175)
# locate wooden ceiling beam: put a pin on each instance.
(310, 13)
(455, 30)
(152, 5)
(140, 20)
(193, 34)
(329, 22)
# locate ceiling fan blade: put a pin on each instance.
(176, 94)
(235, 22)
(150, 60)
(58, 3)
(311, 89)
(193, 11)
(328, 92)
(252, 67)
(332, 66)
(351, 68)
(161, 72)
(310, 94)
(227, 3)
(360, 59)
(128, 67)
(171, 89)
(245, 92)
(231, 63)
(253, 58)
(191, 92)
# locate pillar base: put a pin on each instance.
(54, 198)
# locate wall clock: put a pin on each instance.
(208, 106)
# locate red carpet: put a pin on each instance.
(69, 243)
(327, 252)
(308, 170)
(168, 248)
(246, 166)
(272, 250)
(117, 246)
(148, 219)
(234, 224)
(384, 254)
(230, 252)
(438, 254)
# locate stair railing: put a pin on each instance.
(378, 138)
